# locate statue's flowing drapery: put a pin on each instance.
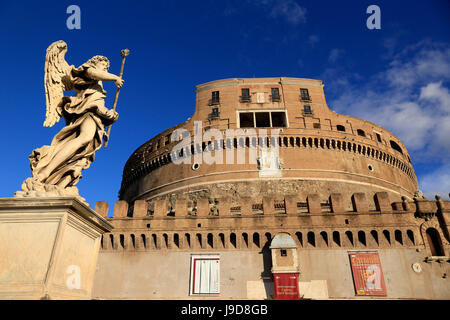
(75, 110)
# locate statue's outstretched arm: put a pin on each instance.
(104, 76)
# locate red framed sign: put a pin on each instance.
(367, 274)
(286, 286)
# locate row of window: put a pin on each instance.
(246, 97)
(246, 240)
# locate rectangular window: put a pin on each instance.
(214, 98)
(378, 137)
(245, 95)
(278, 119)
(262, 119)
(307, 110)
(246, 120)
(205, 275)
(304, 94)
(274, 119)
(275, 95)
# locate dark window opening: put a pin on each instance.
(210, 240)
(395, 146)
(278, 119)
(311, 239)
(361, 133)
(256, 239)
(378, 137)
(340, 128)
(337, 238)
(307, 110)
(245, 95)
(176, 240)
(283, 252)
(233, 239)
(316, 125)
(214, 98)
(246, 120)
(304, 94)
(362, 237)
(275, 95)
(262, 119)
(435, 243)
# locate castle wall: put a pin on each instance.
(165, 275)
(147, 256)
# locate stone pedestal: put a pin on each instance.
(48, 248)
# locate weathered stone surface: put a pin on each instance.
(47, 244)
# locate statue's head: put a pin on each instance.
(99, 62)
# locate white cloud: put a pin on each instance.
(287, 9)
(335, 54)
(411, 99)
(436, 182)
(313, 39)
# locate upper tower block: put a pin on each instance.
(317, 150)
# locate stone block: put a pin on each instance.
(202, 207)
(181, 208)
(360, 203)
(246, 206)
(224, 206)
(268, 205)
(337, 203)
(101, 207)
(120, 209)
(161, 208)
(382, 202)
(314, 203)
(49, 248)
(140, 209)
(291, 204)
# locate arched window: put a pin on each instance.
(210, 240)
(188, 239)
(374, 234)
(395, 146)
(311, 239)
(398, 236)
(199, 240)
(340, 128)
(337, 238)
(435, 243)
(361, 132)
(222, 239)
(324, 236)
(362, 237)
(349, 235)
(245, 238)
(387, 236)
(299, 237)
(256, 239)
(233, 239)
(410, 235)
(176, 240)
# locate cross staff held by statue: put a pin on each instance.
(124, 53)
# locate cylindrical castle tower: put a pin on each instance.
(311, 149)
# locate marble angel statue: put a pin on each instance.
(56, 168)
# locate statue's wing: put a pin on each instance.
(57, 79)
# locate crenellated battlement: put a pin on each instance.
(289, 205)
(374, 222)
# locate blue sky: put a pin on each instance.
(397, 77)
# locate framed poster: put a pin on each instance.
(205, 275)
(367, 274)
(286, 286)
